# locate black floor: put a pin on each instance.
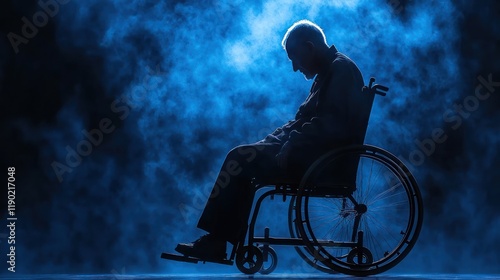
(237, 276)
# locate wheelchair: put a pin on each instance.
(357, 210)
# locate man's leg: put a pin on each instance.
(225, 216)
(227, 209)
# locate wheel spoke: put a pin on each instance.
(384, 204)
(381, 195)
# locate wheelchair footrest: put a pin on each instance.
(181, 258)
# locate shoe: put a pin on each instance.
(207, 247)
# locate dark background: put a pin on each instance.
(180, 83)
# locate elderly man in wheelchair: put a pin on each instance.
(354, 208)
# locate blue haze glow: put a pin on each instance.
(184, 82)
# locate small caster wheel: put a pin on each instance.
(360, 256)
(270, 264)
(249, 259)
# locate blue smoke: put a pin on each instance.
(156, 93)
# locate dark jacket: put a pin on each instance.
(335, 113)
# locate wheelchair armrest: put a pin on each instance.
(276, 182)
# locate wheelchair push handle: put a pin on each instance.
(375, 88)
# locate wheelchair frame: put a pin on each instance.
(359, 260)
(285, 190)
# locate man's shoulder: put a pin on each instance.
(345, 71)
(340, 66)
(342, 59)
(343, 63)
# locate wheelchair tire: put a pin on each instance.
(272, 260)
(249, 259)
(383, 211)
(303, 252)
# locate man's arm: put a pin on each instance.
(333, 111)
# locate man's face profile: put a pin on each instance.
(301, 56)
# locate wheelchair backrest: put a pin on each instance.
(341, 170)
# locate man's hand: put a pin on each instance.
(282, 156)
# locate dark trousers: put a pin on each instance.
(227, 209)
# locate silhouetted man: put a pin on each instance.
(334, 114)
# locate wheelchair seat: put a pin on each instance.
(325, 177)
(320, 189)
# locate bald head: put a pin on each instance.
(304, 31)
(305, 44)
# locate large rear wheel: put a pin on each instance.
(366, 230)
